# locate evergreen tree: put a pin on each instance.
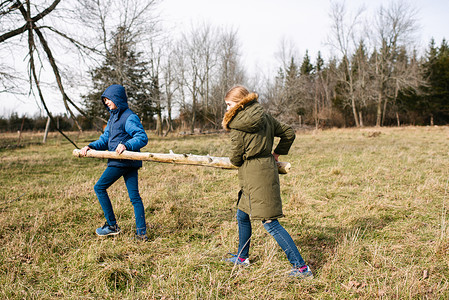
(319, 63)
(359, 60)
(438, 74)
(293, 89)
(431, 53)
(291, 75)
(306, 67)
(430, 104)
(122, 65)
(434, 103)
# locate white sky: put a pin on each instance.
(262, 24)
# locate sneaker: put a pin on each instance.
(237, 260)
(108, 230)
(302, 272)
(142, 237)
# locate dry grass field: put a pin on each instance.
(368, 209)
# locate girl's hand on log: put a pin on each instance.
(120, 148)
(276, 156)
(84, 150)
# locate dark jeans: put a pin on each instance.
(111, 175)
(276, 230)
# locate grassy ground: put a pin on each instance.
(368, 209)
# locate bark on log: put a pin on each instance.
(185, 159)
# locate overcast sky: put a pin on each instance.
(262, 24)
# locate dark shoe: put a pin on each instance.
(142, 237)
(108, 230)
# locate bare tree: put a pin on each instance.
(155, 57)
(31, 15)
(284, 94)
(228, 73)
(200, 54)
(180, 75)
(408, 75)
(102, 17)
(198, 69)
(394, 28)
(343, 38)
(59, 27)
(287, 52)
(169, 86)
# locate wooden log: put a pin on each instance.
(185, 159)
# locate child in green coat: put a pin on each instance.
(252, 134)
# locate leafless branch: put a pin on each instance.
(33, 20)
(77, 43)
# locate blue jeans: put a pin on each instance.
(276, 230)
(111, 175)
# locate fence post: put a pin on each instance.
(20, 131)
(47, 126)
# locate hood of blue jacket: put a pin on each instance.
(117, 94)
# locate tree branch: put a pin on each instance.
(31, 47)
(33, 20)
(52, 61)
(73, 41)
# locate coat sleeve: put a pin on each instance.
(287, 135)
(134, 128)
(103, 140)
(237, 148)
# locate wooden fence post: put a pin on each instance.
(47, 126)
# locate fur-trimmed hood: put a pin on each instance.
(246, 115)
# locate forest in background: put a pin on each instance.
(376, 76)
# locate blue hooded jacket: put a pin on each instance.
(124, 127)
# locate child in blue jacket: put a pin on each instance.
(123, 132)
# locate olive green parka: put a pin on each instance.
(252, 133)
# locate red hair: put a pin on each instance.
(236, 94)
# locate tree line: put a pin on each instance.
(375, 76)
(384, 84)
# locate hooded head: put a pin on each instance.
(117, 94)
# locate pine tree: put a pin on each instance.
(291, 75)
(430, 104)
(306, 67)
(122, 65)
(437, 71)
(319, 62)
